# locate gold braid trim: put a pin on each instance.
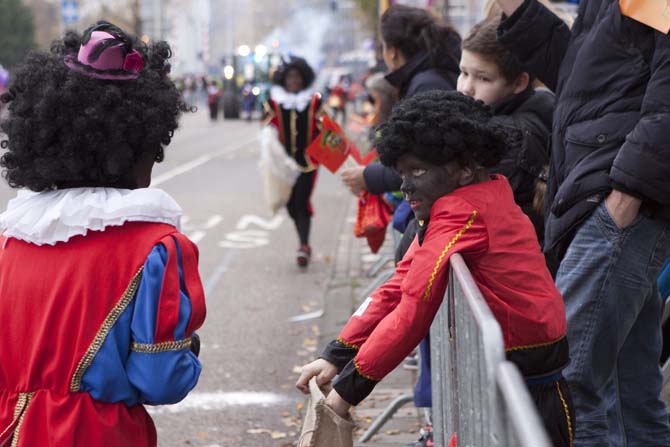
(537, 345)
(100, 337)
(566, 411)
(165, 346)
(20, 412)
(348, 345)
(365, 376)
(451, 243)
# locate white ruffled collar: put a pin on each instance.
(291, 101)
(56, 216)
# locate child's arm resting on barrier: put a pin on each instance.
(169, 307)
(422, 293)
(368, 315)
(340, 351)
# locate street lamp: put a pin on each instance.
(261, 50)
(228, 72)
(243, 50)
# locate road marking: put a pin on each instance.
(250, 219)
(307, 316)
(222, 268)
(246, 239)
(169, 175)
(197, 236)
(213, 221)
(219, 400)
(196, 232)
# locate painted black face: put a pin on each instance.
(294, 82)
(423, 183)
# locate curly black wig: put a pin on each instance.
(68, 129)
(296, 63)
(443, 126)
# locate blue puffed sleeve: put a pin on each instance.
(165, 372)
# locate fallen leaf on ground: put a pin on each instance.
(393, 432)
(278, 435)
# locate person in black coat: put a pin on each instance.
(490, 73)
(422, 54)
(608, 205)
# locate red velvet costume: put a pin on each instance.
(87, 283)
(286, 119)
(498, 242)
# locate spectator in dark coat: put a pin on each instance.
(422, 54)
(608, 206)
(490, 73)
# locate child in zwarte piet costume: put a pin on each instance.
(294, 109)
(99, 291)
(442, 143)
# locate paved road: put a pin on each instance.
(249, 348)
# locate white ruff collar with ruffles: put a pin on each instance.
(291, 101)
(56, 216)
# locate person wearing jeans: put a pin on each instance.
(607, 205)
(608, 280)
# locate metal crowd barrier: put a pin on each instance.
(477, 394)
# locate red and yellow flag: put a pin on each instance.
(331, 148)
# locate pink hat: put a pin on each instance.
(105, 56)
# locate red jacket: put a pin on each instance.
(58, 305)
(498, 242)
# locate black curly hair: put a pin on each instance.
(440, 126)
(67, 129)
(295, 63)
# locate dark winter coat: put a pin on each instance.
(611, 76)
(414, 77)
(530, 112)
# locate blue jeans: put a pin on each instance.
(608, 282)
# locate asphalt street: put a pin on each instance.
(250, 348)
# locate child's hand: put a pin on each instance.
(339, 405)
(321, 368)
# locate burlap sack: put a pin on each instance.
(322, 426)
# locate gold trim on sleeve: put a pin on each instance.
(146, 348)
(20, 412)
(451, 243)
(100, 337)
(347, 344)
(365, 376)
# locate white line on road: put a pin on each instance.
(213, 221)
(250, 219)
(307, 316)
(196, 236)
(219, 400)
(222, 268)
(169, 175)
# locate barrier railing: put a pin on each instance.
(477, 394)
